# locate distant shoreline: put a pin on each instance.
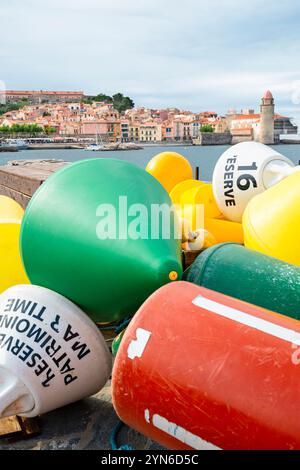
(78, 146)
(56, 146)
(143, 145)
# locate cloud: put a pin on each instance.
(194, 54)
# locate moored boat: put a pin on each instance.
(19, 144)
(94, 147)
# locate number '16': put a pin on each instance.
(243, 182)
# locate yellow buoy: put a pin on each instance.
(196, 206)
(224, 230)
(10, 209)
(180, 188)
(199, 203)
(12, 271)
(170, 168)
(271, 221)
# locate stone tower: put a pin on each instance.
(266, 131)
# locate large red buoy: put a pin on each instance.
(199, 370)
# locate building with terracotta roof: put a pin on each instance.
(144, 124)
(150, 132)
(125, 130)
(167, 130)
(265, 127)
(134, 132)
(41, 96)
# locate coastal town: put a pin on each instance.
(79, 117)
(149, 232)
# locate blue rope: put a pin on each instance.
(111, 327)
(117, 327)
(120, 326)
(113, 438)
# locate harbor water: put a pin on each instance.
(203, 157)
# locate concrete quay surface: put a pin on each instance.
(84, 425)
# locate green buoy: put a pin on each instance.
(116, 343)
(248, 275)
(89, 233)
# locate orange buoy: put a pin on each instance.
(200, 370)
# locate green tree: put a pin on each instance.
(31, 129)
(45, 114)
(5, 108)
(34, 129)
(207, 128)
(49, 130)
(4, 129)
(103, 97)
(16, 128)
(121, 102)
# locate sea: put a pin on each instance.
(203, 157)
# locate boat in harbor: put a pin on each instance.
(96, 146)
(18, 144)
(100, 146)
(5, 147)
(113, 146)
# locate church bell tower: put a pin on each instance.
(266, 132)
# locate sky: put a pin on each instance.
(191, 54)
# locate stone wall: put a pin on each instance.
(215, 138)
(237, 139)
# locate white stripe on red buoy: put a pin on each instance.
(249, 320)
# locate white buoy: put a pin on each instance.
(245, 170)
(51, 353)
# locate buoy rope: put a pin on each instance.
(123, 324)
(117, 327)
(113, 438)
